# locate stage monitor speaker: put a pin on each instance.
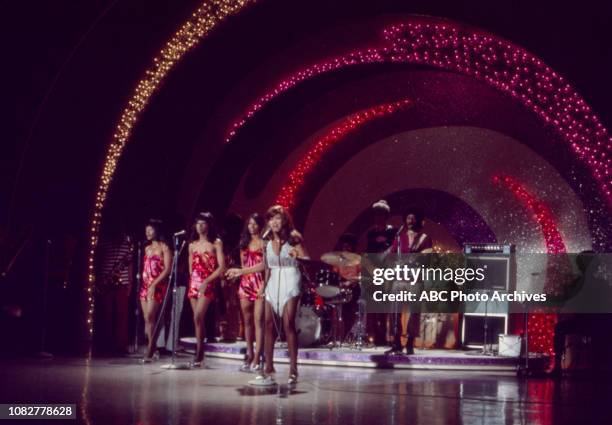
(499, 262)
(498, 277)
(472, 329)
(497, 271)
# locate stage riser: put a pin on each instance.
(451, 360)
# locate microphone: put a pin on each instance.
(398, 239)
(179, 233)
(266, 233)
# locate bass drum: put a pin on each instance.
(308, 326)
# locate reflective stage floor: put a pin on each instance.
(121, 391)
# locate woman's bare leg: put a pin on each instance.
(289, 312)
(199, 307)
(270, 337)
(150, 308)
(259, 310)
(246, 307)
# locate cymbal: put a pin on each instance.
(315, 264)
(341, 258)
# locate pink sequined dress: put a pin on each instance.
(203, 264)
(250, 283)
(153, 267)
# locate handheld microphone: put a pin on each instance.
(180, 233)
(266, 233)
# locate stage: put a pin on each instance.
(119, 390)
(374, 357)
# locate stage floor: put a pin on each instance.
(121, 391)
(375, 358)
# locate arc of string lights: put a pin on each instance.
(541, 325)
(287, 194)
(508, 68)
(201, 22)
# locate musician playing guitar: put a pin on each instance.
(411, 240)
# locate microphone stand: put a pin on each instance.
(523, 369)
(397, 346)
(175, 322)
(486, 351)
(137, 295)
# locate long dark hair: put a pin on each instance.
(212, 233)
(287, 232)
(245, 237)
(158, 227)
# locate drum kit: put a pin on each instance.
(328, 285)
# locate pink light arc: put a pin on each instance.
(541, 326)
(509, 68)
(287, 194)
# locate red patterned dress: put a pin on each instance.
(153, 267)
(203, 264)
(252, 282)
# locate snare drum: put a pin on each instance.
(328, 283)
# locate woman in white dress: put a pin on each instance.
(282, 283)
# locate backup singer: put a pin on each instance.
(251, 303)
(412, 240)
(206, 263)
(156, 268)
(283, 247)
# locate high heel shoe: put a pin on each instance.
(147, 360)
(198, 360)
(196, 364)
(263, 381)
(293, 378)
(246, 365)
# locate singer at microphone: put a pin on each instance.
(411, 240)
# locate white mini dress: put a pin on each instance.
(285, 276)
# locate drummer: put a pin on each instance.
(350, 273)
(350, 281)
